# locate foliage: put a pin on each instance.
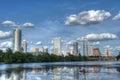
(118, 56)
(18, 57)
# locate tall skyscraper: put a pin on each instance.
(85, 47)
(24, 46)
(75, 48)
(17, 40)
(57, 46)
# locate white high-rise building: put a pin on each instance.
(17, 40)
(24, 46)
(85, 47)
(57, 46)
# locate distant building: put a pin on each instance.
(85, 47)
(44, 50)
(57, 46)
(107, 52)
(75, 48)
(24, 46)
(35, 51)
(17, 33)
(91, 50)
(96, 52)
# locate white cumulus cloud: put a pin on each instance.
(6, 44)
(5, 35)
(71, 42)
(38, 43)
(96, 43)
(102, 36)
(9, 23)
(117, 17)
(87, 17)
(28, 25)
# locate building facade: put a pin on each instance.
(91, 50)
(17, 37)
(24, 46)
(96, 52)
(85, 47)
(57, 46)
(75, 48)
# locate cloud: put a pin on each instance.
(117, 48)
(13, 24)
(87, 17)
(5, 35)
(70, 42)
(5, 45)
(28, 25)
(98, 37)
(9, 23)
(38, 43)
(117, 17)
(96, 43)
(45, 47)
(107, 46)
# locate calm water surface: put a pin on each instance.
(61, 71)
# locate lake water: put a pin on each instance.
(97, 70)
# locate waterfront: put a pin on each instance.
(97, 70)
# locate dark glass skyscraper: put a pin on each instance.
(75, 48)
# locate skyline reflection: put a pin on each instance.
(63, 72)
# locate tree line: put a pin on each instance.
(118, 56)
(19, 57)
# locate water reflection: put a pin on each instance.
(54, 72)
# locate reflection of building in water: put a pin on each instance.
(76, 73)
(95, 69)
(16, 75)
(58, 73)
(23, 75)
(65, 73)
(118, 69)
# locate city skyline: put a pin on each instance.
(71, 20)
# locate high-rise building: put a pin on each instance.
(57, 46)
(44, 49)
(75, 48)
(85, 47)
(24, 46)
(91, 50)
(17, 40)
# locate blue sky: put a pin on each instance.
(42, 20)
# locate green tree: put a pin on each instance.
(1, 55)
(8, 56)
